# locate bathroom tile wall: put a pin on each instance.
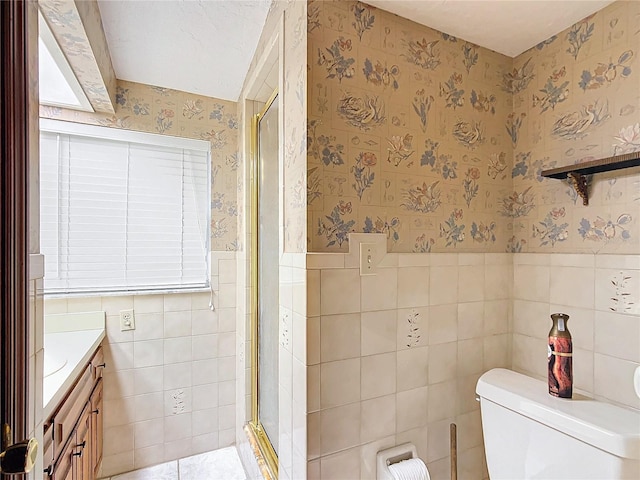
(169, 385)
(601, 295)
(394, 357)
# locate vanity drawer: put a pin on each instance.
(97, 363)
(65, 419)
(48, 458)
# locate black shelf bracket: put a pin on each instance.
(578, 173)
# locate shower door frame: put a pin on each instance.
(259, 433)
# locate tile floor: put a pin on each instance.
(222, 464)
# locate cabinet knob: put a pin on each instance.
(77, 454)
(102, 365)
(48, 470)
(96, 411)
(81, 445)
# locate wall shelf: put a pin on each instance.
(577, 174)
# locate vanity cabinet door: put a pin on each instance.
(63, 469)
(96, 427)
(82, 467)
(65, 419)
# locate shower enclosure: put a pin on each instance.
(265, 257)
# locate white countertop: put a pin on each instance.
(67, 352)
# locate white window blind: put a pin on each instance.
(122, 211)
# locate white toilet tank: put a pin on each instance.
(530, 434)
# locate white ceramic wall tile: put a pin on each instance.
(339, 337)
(339, 428)
(119, 356)
(379, 291)
(443, 323)
(148, 353)
(471, 283)
(412, 368)
(204, 346)
(148, 379)
(439, 402)
(148, 456)
(411, 409)
(438, 440)
(119, 384)
(149, 406)
(495, 319)
(118, 439)
(413, 287)
(617, 335)
(470, 356)
(177, 350)
(378, 375)
(470, 323)
(613, 379)
(313, 340)
(336, 465)
(443, 362)
(204, 322)
(498, 281)
(340, 291)
(148, 304)
(177, 302)
(149, 326)
(177, 375)
(531, 318)
(204, 421)
(443, 284)
(148, 433)
(572, 286)
(337, 385)
(378, 332)
(531, 282)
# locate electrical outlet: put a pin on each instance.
(127, 320)
(368, 260)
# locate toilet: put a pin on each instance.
(528, 434)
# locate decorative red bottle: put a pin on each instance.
(560, 357)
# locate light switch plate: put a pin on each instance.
(368, 260)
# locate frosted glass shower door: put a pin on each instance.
(268, 251)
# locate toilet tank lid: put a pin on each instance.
(603, 425)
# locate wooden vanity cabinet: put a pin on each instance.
(73, 433)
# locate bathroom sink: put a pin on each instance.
(53, 363)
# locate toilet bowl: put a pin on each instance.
(529, 434)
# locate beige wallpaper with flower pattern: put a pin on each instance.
(146, 108)
(581, 102)
(438, 143)
(406, 133)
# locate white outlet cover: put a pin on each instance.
(636, 381)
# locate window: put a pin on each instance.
(122, 211)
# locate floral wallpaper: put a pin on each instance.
(439, 143)
(77, 27)
(582, 103)
(406, 134)
(146, 108)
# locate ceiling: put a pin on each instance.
(206, 46)
(506, 26)
(202, 47)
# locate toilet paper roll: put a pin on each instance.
(413, 469)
